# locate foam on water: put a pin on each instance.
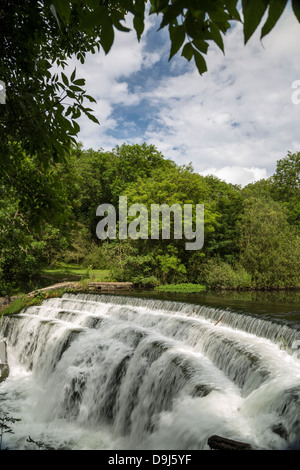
(114, 372)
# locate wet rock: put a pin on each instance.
(280, 430)
(222, 443)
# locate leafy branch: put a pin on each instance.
(41, 445)
(38, 35)
(5, 427)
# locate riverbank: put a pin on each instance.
(16, 303)
(83, 286)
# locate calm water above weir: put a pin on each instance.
(154, 371)
(284, 305)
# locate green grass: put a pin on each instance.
(24, 301)
(18, 304)
(69, 272)
(182, 288)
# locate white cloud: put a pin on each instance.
(107, 80)
(236, 174)
(237, 119)
(240, 113)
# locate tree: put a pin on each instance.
(226, 200)
(150, 259)
(270, 247)
(174, 185)
(286, 185)
(103, 176)
(259, 189)
(35, 218)
(38, 38)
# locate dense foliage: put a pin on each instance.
(251, 234)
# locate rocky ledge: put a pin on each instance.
(90, 286)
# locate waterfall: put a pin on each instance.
(119, 372)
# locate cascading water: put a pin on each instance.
(115, 372)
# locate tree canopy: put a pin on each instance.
(251, 234)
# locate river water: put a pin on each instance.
(154, 371)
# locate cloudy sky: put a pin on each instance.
(235, 121)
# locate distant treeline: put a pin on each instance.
(48, 214)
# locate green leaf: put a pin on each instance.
(296, 9)
(188, 51)
(216, 36)
(73, 75)
(76, 127)
(159, 5)
(275, 11)
(71, 95)
(200, 62)
(116, 17)
(232, 10)
(139, 15)
(193, 27)
(79, 81)
(91, 116)
(75, 88)
(107, 35)
(127, 5)
(139, 26)
(90, 98)
(64, 9)
(220, 17)
(171, 14)
(139, 8)
(253, 13)
(201, 45)
(96, 17)
(177, 36)
(65, 79)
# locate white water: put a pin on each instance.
(109, 372)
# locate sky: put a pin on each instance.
(235, 121)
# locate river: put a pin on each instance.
(154, 371)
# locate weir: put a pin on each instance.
(119, 372)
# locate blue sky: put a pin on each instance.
(235, 121)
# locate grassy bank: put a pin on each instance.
(73, 272)
(182, 288)
(24, 301)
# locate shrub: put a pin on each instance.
(219, 274)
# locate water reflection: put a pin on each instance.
(284, 305)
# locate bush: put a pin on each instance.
(97, 258)
(219, 274)
(79, 247)
(270, 246)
